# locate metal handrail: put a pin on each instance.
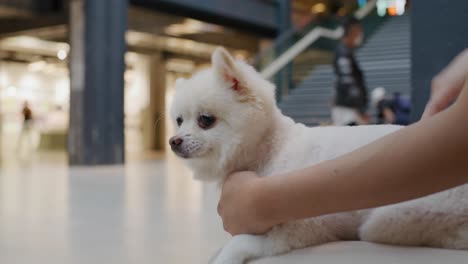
(309, 39)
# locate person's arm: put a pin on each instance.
(424, 158)
(421, 159)
(427, 157)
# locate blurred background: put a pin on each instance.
(88, 82)
(49, 47)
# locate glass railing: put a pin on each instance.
(294, 54)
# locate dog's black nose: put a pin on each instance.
(175, 141)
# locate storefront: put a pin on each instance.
(43, 83)
(45, 87)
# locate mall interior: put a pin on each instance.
(162, 45)
(163, 42)
(93, 180)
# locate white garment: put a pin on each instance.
(342, 116)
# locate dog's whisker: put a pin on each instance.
(160, 117)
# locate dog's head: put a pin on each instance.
(221, 114)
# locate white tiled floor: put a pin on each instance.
(145, 212)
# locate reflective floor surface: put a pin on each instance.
(149, 211)
(145, 212)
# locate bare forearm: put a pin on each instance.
(424, 158)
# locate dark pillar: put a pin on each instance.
(283, 77)
(439, 32)
(97, 37)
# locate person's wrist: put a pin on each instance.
(265, 200)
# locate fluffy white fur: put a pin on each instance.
(250, 133)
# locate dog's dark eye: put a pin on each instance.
(179, 121)
(206, 121)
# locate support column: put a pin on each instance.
(154, 125)
(438, 33)
(97, 37)
(284, 76)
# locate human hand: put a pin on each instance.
(447, 85)
(239, 207)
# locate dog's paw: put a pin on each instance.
(226, 256)
(239, 249)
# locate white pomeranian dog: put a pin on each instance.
(227, 120)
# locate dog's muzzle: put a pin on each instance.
(176, 146)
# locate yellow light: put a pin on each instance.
(191, 26)
(392, 10)
(37, 66)
(319, 8)
(342, 11)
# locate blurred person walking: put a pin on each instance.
(395, 110)
(25, 141)
(351, 100)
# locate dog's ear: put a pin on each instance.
(226, 69)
